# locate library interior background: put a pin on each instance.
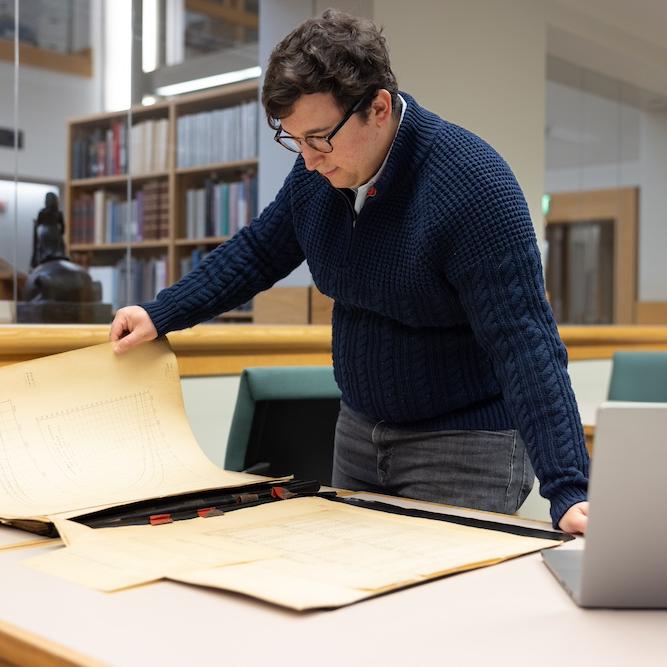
(132, 142)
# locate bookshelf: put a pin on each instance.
(182, 173)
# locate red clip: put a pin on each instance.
(372, 191)
(282, 493)
(159, 519)
(209, 511)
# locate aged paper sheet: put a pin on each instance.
(89, 428)
(301, 553)
(13, 538)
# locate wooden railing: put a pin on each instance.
(203, 350)
(227, 349)
(600, 342)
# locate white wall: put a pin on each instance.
(590, 381)
(595, 177)
(209, 405)
(481, 65)
(619, 39)
(46, 101)
(592, 142)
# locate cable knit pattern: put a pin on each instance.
(440, 319)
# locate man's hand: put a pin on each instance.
(131, 327)
(575, 520)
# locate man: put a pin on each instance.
(444, 346)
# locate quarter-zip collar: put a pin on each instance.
(368, 188)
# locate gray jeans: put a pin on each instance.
(487, 470)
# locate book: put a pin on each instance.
(148, 146)
(220, 209)
(100, 151)
(220, 135)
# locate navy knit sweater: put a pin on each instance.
(440, 319)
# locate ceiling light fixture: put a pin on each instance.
(209, 81)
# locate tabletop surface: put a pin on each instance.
(503, 615)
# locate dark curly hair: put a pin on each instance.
(333, 53)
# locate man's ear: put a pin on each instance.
(381, 107)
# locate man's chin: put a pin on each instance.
(337, 179)
(331, 174)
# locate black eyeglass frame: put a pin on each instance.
(277, 137)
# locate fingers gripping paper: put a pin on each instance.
(89, 428)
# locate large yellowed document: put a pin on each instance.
(89, 428)
(301, 553)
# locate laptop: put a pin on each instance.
(624, 560)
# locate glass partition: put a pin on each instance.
(112, 185)
(595, 177)
(213, 27)
(99, 189)
(64, 155)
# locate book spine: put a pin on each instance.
(220, 135)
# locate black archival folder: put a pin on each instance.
(219, 501)
(214, 502)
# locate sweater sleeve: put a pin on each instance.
(494, 263)
(504, 300)
(250, 262)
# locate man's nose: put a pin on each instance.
(311, 157)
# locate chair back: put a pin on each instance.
(284, 422)
(639, 376)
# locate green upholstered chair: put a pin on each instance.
(284, 422)
(639, 376)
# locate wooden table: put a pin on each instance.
(507, 614)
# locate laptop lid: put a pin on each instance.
(625, 555)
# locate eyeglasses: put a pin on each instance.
(321, 144)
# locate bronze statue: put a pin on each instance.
(48, 239)
(57, 289)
